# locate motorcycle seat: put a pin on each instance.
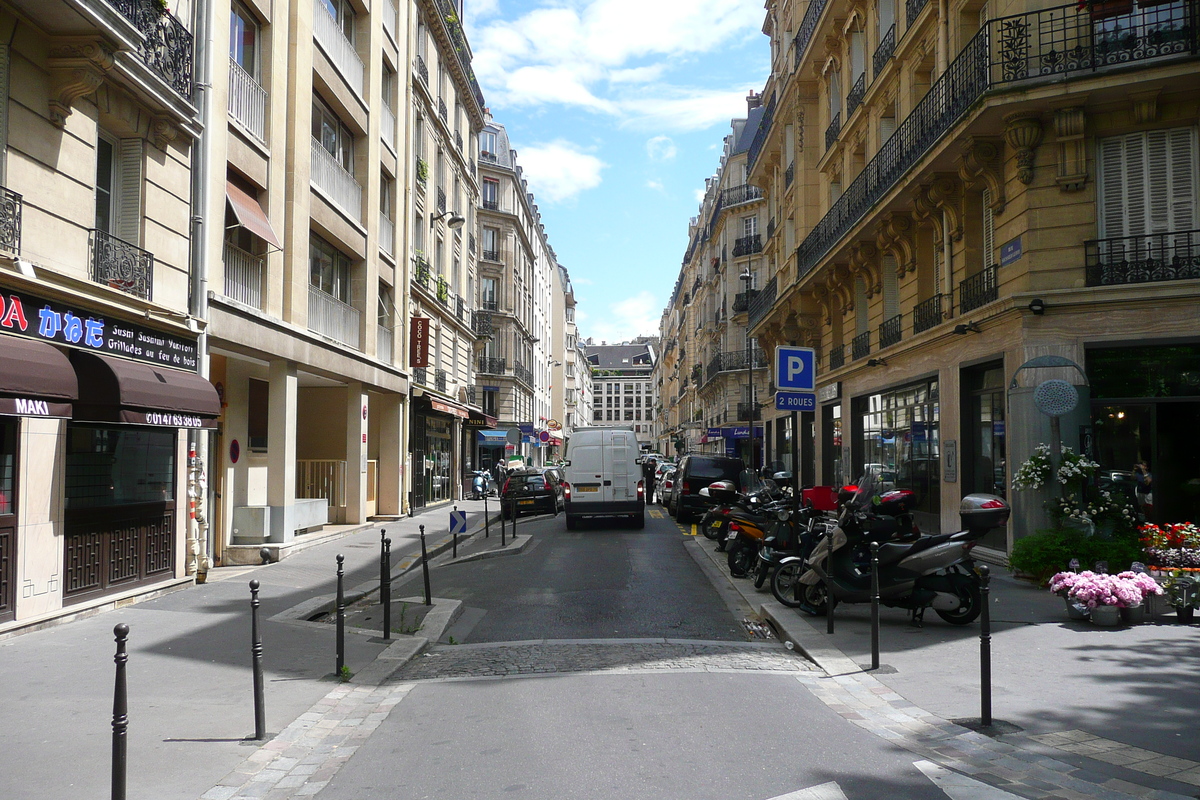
(893, 552)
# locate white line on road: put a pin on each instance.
(826, 791)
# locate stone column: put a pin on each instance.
(281, 454)
(356, 453)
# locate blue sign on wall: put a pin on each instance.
(796, 368)
(1010, 252)
(715, 433)
(795, 401)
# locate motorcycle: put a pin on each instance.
(915, 572)
(749, 518)
(794, 532)
(482, 484)
(756, 493)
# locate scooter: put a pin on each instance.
(482, 485)
(918, 573)
(750, 518)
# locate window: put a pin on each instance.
(835, 94)
(490, 193)
(598, 416)
(1147, 183)
(335, 137)
(329, 269)
(989, 229)
(387, 87)
(386, 304)
(243, 39)
(491, 244)
(487, 290)
(343, 13)
(629, 415)
(487, 143)
(119, 188)
(258, 415)
(113, 466)
(106, 161)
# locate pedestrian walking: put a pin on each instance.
(649, 471)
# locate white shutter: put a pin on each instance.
(1182, 169)
(129, 192)
(1156, 181)
(989, 230)
(887, 126)
(1112, 188)
(1135, 185)
(937, 267)
(891, 288)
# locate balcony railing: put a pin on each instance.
(760, 135)
(473, 395)
(927, 314)
(857, 92)
(835, 128)
(733, 361)
(389, 18)
(458, 141)
(762, 303)
(243, 276)
(247, 102)
(118, 264)
(489, 157)
(421, 272)
(491, 204)
(422, 70)
(441, 200)
(978, 290)
(491, 255)
(890, 331)
(340, 50)
(860, 346)
(1036, 47)
(421, 375)
(11, 207)
(481, 323)
(492, 366)
(789, 174)
(747, 245)
(439, 380)
(167, 46)
(770, 229)
(332, 318)
(460, 310)
(736, 195)
(883, 53)
(837, 357)
(523, 373)
(741, 300)
(1143, 259)
(748, 412)
(490, 304)
(387, 234)
(383, 344)
(387, 127)
(442, 112)
(913, 9)
(335, 181)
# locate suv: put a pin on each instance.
(534, 490)
(695, 472)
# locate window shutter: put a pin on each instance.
(129, 192)
(937, 268)
(887, 126)
(891, 288)
(1156, 183)
(1112, 188)
(1135, 186)
(1183, 175)
(989, 230)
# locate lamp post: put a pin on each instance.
(747, 276)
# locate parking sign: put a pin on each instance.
(796, 369)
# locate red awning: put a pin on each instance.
(449, 408)
(36, 379)
(250, 214)
(116, 390)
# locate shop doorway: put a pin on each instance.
(1163, 436)
(8, 518)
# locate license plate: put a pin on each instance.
(582, 489)
(717, 524)
(732, 535)
(524, 502)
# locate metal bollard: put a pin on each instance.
(985, 647)
(830, 604)
(487, 523)
(341, 617)
(385, 587)
(120, 720)
(264, 553)
(454, 534)
(874, 605)
(514, 516)
(425, 568)
(256, 654)
(502, 526)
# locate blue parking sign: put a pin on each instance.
(796, 369)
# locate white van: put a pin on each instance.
(604, 476)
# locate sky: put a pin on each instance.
(618, 110)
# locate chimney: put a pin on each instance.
(753, 100)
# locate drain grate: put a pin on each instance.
(757, 629)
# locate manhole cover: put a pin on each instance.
(757, 629)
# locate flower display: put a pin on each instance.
(1124, 590)
(1035, 472)
(1172, 545)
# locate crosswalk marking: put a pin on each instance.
(826, 791)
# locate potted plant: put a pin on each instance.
(1183, 591)
(1104, 595)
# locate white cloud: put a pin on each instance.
(685, 111)
(559, 170)
(656, 185)
(699, 195)
(638, 315)
(661, 148)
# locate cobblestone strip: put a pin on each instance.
(869, 704)
(448, 661)
(1124, 755)
(305, 756)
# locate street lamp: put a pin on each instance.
(748, 277)
(454, 223)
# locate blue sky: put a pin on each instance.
(617, 110)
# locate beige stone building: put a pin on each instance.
(98, 351)
(955, 188)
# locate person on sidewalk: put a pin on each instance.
(649, 471)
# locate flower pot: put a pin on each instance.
(1134, 615)
(1075, 610)
(1106, 616)
(1185, 614)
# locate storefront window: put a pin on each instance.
(832, 472)
(898, 442)
(436, 451)
(119, 466)
(8, 458)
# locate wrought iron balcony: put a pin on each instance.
(927, 314)
(492, 366)
(481, 323)
(736, 195)
(491, 305)
(747, 245)
(473, 393)
(443, 291)
(762, 303)
(760, 135)
(1027, 49)
(167, 46)
(835, 128)
(491, 255)
(460, 310)
(118, 264)
(857, 92)
(491, 158)
(770, 229)
(913, 9)
(422, 70)
(890, 331)
(789, 174)
(883, 53)
(978, 290)
(748, 412)
(458, 141)
(733, 361)
(1143, 259)
(439, 380)
(442, 112)
(491, 204)
(421, 375)
(523, 373)
(441, 200)
(741, 300)
(837, 357)
(860, 346)
(11, 207)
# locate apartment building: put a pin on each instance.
(624, 391)
(713, 371)
(98, 344)
(967, 199)
(567, 386)
(517, 269)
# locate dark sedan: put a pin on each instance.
(535, 491)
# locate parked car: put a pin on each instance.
(535, 490)
(696, 472)
(666, 482)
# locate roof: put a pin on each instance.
(751, 127)
(620, 356)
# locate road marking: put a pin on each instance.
(656, 513)
(960, 787)
(826, 791)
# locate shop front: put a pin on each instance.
(437, 426)
(481, 440)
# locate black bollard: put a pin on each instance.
(385, 588)
(120, 720)
(514, 516)
(425, 568)
(454, 533)
(502, 518)
(830, 604)
(874, 605)
(256, 653)
(341, 617)
(265, 554)
(985, 648)
(487, 523)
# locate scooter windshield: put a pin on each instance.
(868, 487)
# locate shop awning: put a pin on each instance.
(492, 437)
(446, 407)
(36, 379)
(116, 390)
(250, 214)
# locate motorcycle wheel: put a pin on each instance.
(711, 532)
(741, 558)
(760, 574)
(783, 588)
(971, 608)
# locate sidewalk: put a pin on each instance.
(1102, 712)
(189, 669)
